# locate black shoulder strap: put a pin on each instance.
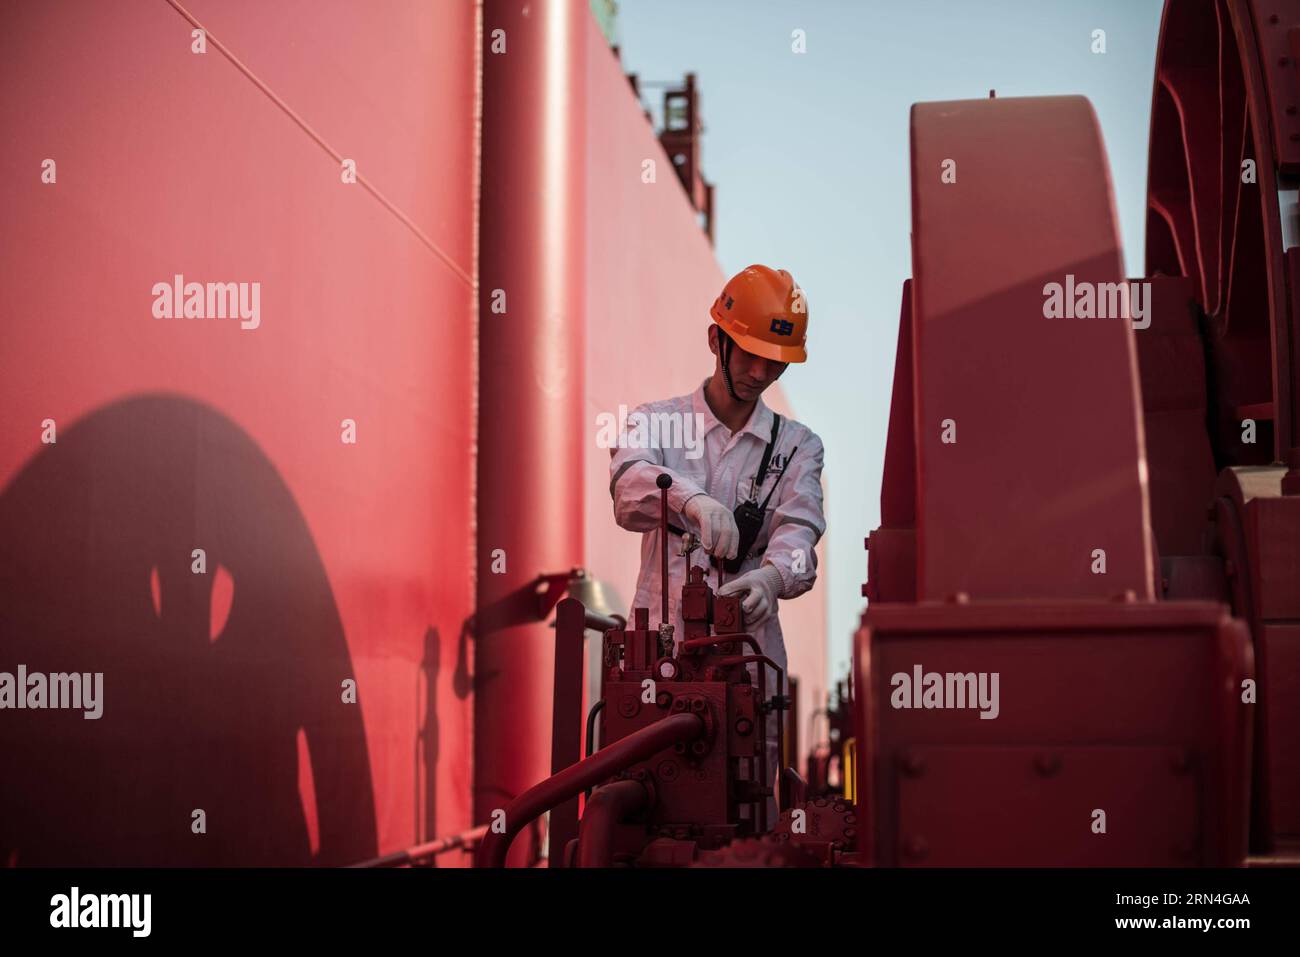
(778, 481)
(767, 453)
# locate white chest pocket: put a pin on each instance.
(744, 487)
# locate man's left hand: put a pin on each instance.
(761, 587)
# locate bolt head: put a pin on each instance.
(1047, 764)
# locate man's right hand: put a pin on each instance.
(718, 532)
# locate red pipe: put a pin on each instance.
(608, 808)
(576, 778)
(413, 855)
(532, 279)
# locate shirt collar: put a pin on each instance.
(760, 420)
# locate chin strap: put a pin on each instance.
(724, 353)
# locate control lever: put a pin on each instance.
(664, 481)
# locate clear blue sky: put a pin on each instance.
(810, 154)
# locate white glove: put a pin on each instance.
(762, 586)
(718, 532)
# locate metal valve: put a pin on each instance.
(690, 542)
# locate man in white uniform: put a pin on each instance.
(760, 325)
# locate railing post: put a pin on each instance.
(566, 717)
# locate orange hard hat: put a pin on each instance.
(765, 313)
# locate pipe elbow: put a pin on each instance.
(609, 807)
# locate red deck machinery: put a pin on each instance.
(1083, 639)
(830, 761)
(1101, 511)
(682, 773)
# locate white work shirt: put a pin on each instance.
(791, 529)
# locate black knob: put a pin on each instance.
(664, 480)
